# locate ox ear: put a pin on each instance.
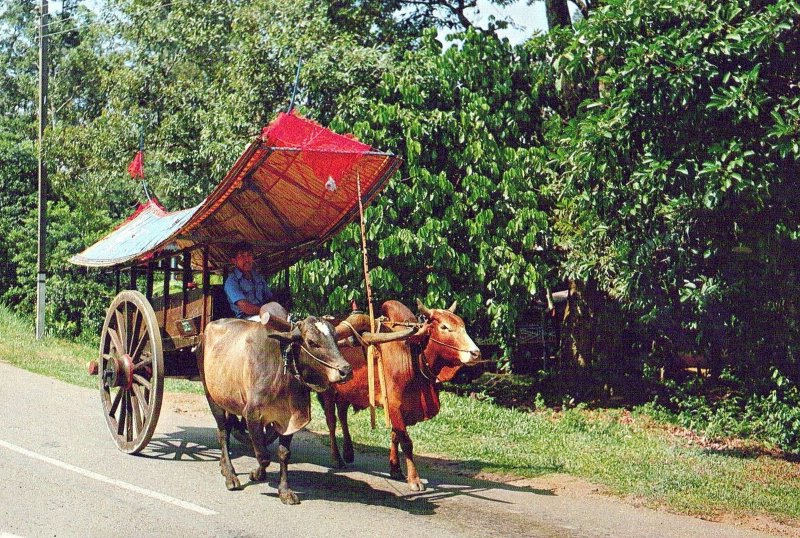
(419, 337)
(453, 307)
(287, 337)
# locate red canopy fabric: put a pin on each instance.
(328, 154)
(278, 195)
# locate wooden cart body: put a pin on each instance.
(292, 189)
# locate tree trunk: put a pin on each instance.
(557, 13)
(578, 335)
(576, 342)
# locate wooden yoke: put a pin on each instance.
(371, 355)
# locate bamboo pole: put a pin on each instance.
(370, 348)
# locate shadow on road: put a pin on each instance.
(336, 487)
(187, 444)
(445, 478)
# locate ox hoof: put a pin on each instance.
(258, 475)
(349, 457)
(288, 497)
(233, 484)
(416, 485)
(396, 473)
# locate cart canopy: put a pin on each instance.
(293, 188)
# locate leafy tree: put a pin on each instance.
(678, 172)
(464, 221)
(17, 196)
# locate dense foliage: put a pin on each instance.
(645, 156)
(678, 173)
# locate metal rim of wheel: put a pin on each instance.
(131, 371)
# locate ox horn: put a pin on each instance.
(453, 307)
(359, 322)
(424, 309)
(382, 338)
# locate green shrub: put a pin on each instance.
(772, 417)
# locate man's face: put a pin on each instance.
(243, 261)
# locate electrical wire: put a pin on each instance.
(100, 21)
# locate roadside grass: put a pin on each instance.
(629, 455)
(55, 357)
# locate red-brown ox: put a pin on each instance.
(245, 373)
(413, 370)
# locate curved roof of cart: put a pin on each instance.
(293, 188)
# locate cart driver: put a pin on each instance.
(247, 290)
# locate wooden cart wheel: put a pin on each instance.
(131, 369)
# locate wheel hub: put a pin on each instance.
(119, 372)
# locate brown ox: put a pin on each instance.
(244, 373)
(413, 370)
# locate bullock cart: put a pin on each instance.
(295, 186)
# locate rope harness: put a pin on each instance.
(472, 363)
(425, 368)
(291, 358)
(355, 333)
(449, 346)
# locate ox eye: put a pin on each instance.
(314, 344)
(444, 327)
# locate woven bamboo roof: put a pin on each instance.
(293, 188)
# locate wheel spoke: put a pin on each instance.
(117, 398)
(128, 327)
(140, 335)
(128, 416)
(136, 327)
(145, 338)
(116, 343)
(139, 407)
(123, 415)
(142, 381)
(122, 332)
(140, 397)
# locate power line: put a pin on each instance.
(53, 18)
(100, 21)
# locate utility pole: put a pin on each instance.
(43, 68)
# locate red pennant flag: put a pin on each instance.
(136, 168)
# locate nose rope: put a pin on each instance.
(322, 362)
(472, 352)
(290, 366)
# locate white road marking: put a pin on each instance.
(7, 535)
(113, 481)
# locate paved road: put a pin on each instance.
(61, 475)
